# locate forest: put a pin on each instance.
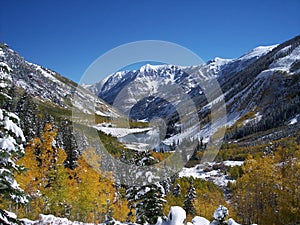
(55, 177)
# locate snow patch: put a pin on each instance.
(3, 85)
(2, 54)
(217, 64)
(140, 147)
(294, 120)
(120, 132)
(102, 114)
(1, 114)
(207, 172)
(233, 163)
(177, 216)
(8, 143)
(198, 220)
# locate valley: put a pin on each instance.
(127, 149)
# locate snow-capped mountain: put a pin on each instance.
(151, 74)
(221, 66)
(261, 89)
(48, 86)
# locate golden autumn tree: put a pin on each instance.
(46, 177)
(288, 163)
(30, 181)
(94, 195)
(54, 176)
(83, 193)
(268, 192)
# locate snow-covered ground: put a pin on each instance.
(176, 216)
(137, 146)
(207, 172)
(120, 132)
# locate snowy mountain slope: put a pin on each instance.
(48, 86)
(263, 85)
(221, 66)
(268, 88)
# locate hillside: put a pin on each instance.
(47, 85)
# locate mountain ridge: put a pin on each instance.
(249, 84)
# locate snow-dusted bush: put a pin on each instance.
(220, 213)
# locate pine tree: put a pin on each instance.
(190, 199)
(28, 112)
(11, 149)
(147, 201)
(150, 206)
(69, 143)
(177, 190)
(130, 196)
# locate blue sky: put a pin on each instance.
(68, 35)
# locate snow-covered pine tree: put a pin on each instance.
(28, 112)
(177, 190)
(149, 204)
(190, 199)
(130, 196)
(11, 149)
(147, 200)
(69, 143)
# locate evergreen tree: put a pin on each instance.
(11, 149)
(190, 200)
(149, 204)
(177, 190)
(109, 220)
(28, 112)
(69, 143)
(130, 196)
(147, 201)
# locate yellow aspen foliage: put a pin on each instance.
(94, 194)
(268, 192)
(45, 179)
(208, 196)
(29, 181)
(82, 194)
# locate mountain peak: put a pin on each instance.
(257, 52)
(148, 67)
